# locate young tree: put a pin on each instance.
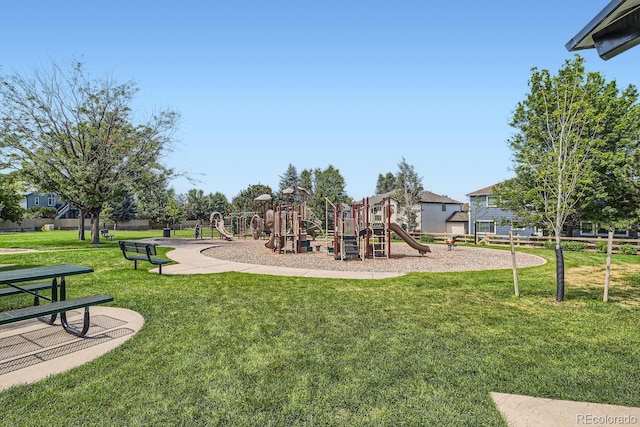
(386, 183)
(560, 126)
(75, 136)
(175, 212)
(408, 190)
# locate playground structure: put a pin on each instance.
(363, 231)
(290, 226)
(217, 221)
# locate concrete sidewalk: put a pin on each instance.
(526, 411)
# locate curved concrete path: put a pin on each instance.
(192, 261)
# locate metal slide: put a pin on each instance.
(423, 249)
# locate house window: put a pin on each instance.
(444, 207)
(587, 227)
(36, 201)
(486, 227)
(492, 201)
(51, 200)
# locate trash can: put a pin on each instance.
(166, 232)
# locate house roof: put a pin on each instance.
(425, 197)
(482, 192)
(614, 30)
(458, 217)
(429, 197)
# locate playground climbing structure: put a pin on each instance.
(363, 231)
(290, 227)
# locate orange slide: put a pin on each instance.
(423, 249)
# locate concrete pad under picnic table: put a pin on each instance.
(31, 350)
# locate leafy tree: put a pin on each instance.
(219, 203)
(386, 183)
(244, 201)
(198, 205)
(75, 136)
(152, 203)
(325, 184)
(306, 179)
(408, 192)
(563, 127)
(10, 209)
(613, 198)
(175, 211)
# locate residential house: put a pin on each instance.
(485, 217)
(434, 213)
(440, 214)
(49, 200)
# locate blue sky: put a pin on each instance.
(355, 84)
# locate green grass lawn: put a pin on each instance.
(424, 349)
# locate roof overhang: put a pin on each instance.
(614, 30)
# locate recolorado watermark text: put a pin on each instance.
(605, 420)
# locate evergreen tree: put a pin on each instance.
(290, 179)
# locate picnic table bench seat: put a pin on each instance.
(33, 287)
(38, 311)
(131, 249)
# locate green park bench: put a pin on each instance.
(131, 249)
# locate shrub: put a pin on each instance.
(628, 249)
(601, 246)
(566, 246)
(427, 238)
(574, 246)
(38, 212)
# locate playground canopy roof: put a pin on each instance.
(614, 30)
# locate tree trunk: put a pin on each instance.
(95, 225)
(607, 273)
(515, 266)
(81, 224)
(559, 274)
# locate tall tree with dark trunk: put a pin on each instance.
(561, 140)
(75, 136)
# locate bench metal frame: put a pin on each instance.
(148, 249)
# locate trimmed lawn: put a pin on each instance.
(424, 349)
